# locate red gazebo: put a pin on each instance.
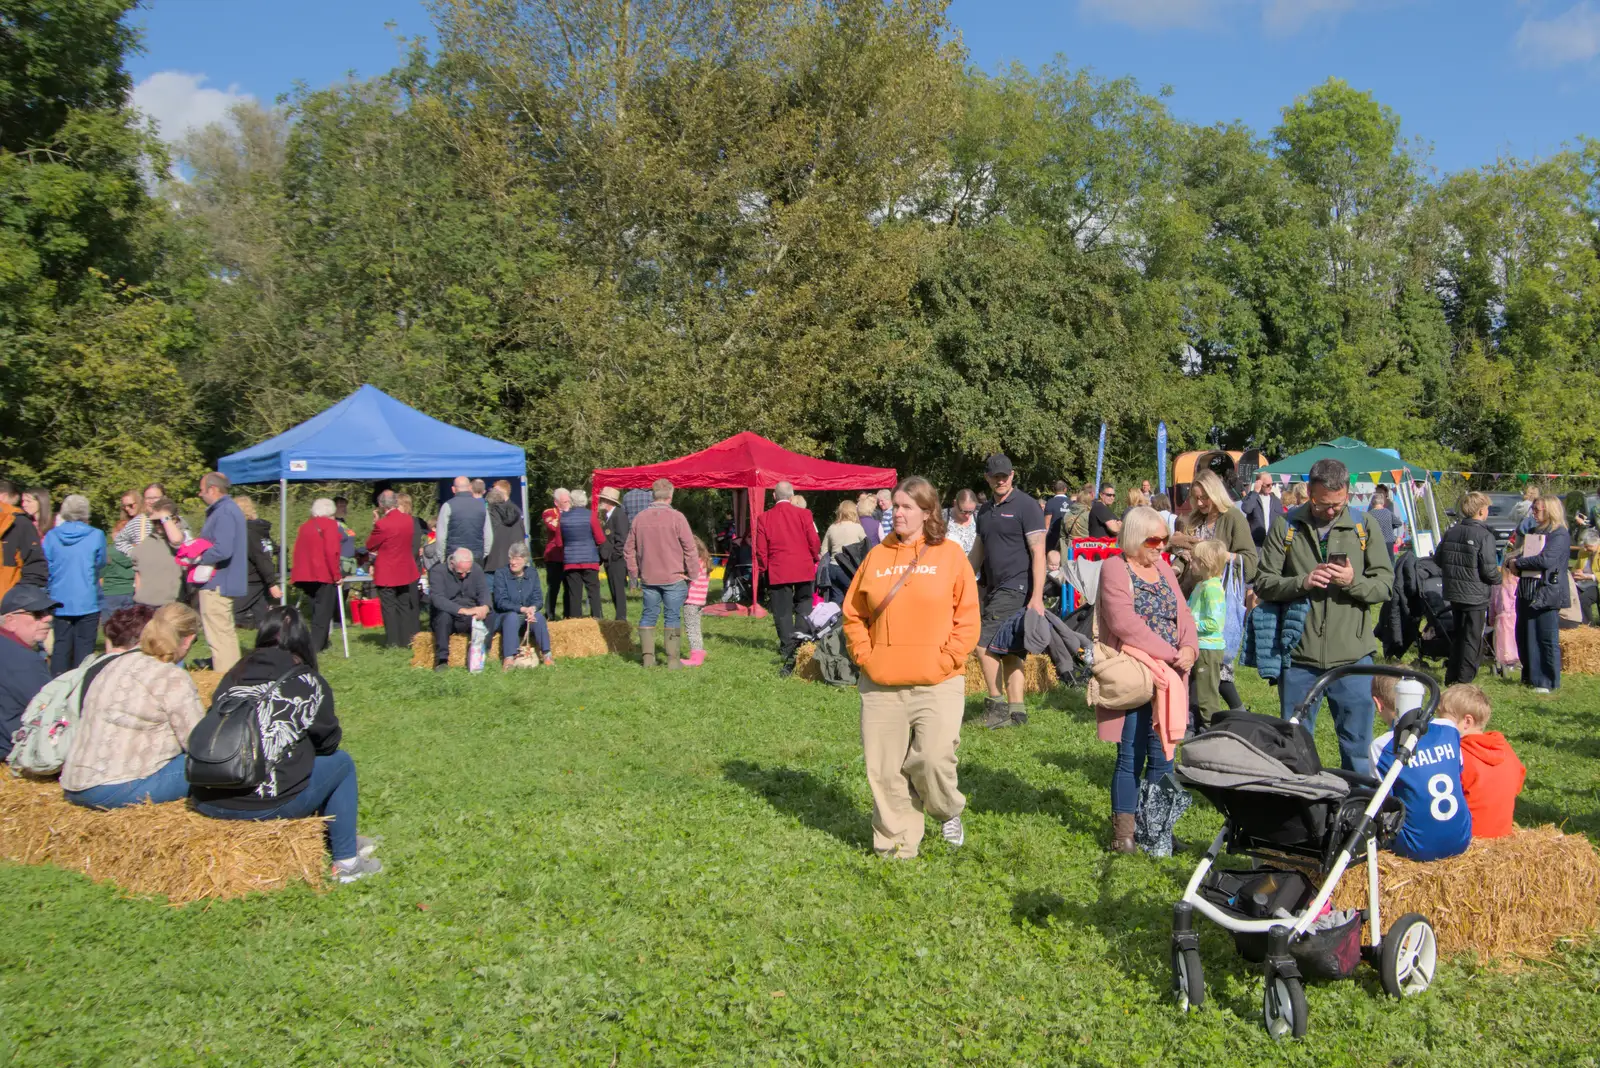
(751, 463)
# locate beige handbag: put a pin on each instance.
(1118, 682)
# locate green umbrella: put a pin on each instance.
(1365, 463)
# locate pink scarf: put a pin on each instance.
(1171, 699)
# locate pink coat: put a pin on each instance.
(1121, 626)
(1503, 615)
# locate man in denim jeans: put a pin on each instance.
(661, 554)
(1322, 554)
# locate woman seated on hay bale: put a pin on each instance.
(520, 602)
(307, 773)
(137, 712)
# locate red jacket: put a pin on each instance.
(1491, 779)
(787, 546)
(316, 552)
(391, 539)
(552, 534)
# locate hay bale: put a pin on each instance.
(1515, 896)
(1038, 674)
(1580, 650)
(569, 638)
(590, 637)
(206, 683)
(169, 850)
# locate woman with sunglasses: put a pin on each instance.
(1140, 606)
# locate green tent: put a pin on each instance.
(1363, 462)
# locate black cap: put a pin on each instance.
(997, 466)
(28, 599)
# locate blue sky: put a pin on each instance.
(1475, 78)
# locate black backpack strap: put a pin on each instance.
(89, 677)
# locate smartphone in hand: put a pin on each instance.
(1339, 559)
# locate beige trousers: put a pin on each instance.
(910, 734)
(216, 620)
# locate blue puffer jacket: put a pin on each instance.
(1271, 633)
(76, 553)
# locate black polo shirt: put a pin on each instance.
(1099, 516)
(1003, 527)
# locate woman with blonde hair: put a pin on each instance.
(262, 575)
(1294, 495)
(911, 618)
(1213, 513)
(846, 528)
(1542, 592)
(1141, 606)
(138, 709)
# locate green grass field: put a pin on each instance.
(592, 865)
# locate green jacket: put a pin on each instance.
(1337, 627)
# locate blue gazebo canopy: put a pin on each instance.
(370, 436)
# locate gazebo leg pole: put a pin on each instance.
(283, 541)
(527, 523)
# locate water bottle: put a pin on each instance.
(476, 652)
(1408, 694)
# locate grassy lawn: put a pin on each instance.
(591, 865)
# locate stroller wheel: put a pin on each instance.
(1410, 955)
(1188, 979)
(1283, 1007)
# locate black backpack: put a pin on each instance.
(225, 747)
(832, 654)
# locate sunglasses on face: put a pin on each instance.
(1154, 543)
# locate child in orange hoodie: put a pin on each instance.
(1491, 774)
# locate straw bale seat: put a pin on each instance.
(167, 850)
(569, 638)
(1038, 674)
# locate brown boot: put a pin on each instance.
(672, 639)
(647, 642)
(1122, 832)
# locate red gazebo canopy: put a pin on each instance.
(748, 462)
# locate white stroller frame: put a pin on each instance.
(1406, 958)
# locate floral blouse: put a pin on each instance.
(1157, 606)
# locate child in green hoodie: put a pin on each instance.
(1208, 603)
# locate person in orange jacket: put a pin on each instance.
(1491, 774)
(911, 620)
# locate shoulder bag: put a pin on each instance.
(1119, 682)
(224, 749)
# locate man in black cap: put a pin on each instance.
(1010, 549)
(26, 615)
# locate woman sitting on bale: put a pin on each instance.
(138, 709)
(307, 773)
(519, 600)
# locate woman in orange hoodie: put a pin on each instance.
(911, 618)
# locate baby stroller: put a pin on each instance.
(1299, 824)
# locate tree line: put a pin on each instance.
(613, 232)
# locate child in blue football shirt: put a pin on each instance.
(1438, 823)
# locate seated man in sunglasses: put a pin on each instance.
(26, 616)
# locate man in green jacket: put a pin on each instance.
(1320, 553)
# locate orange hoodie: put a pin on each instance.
(1491, 777)
(931, 626)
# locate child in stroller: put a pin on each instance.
(1307, 824)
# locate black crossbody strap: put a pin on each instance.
(895, 589)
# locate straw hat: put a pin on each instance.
(612, 494)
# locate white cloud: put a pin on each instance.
(1276, 16)
(179, 102)
(1570, 37)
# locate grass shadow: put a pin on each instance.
(1002, 792)
(820, 805)
(768, 644)
(1095, 766)
(1533, 813)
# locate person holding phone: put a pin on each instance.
(1320, 553)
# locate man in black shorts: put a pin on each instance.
(1010, 548)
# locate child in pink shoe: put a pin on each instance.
(694, 606)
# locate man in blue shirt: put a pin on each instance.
(229, 555)
(1438, 823)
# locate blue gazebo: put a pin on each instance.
(366, 437)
